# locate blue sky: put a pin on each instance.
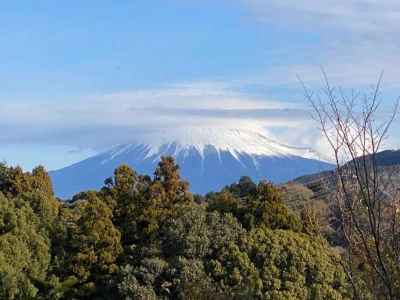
(79, 76)
(94, 47)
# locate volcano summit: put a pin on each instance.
(209, 158)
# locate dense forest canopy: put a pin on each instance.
(150, 238)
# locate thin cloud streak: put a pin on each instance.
(101, 121)
(357, 40)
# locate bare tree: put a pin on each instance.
(366, 201)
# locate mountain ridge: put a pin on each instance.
(209, 159)
(323, 183)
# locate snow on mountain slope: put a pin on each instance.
(234, 141)
(209, 158)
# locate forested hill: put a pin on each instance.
(142, 237)
(387, 158)
(388, 163)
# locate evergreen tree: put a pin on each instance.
(95, 245)
(143, 238)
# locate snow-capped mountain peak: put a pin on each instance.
(209, 158)
(250, 141)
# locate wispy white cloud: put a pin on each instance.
(99, 121)
(357, 39)
(366, 16)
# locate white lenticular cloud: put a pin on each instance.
(104, 120)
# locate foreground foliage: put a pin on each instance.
(150, 238)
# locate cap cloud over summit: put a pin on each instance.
(209, 158)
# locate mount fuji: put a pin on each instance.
(209, 158)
